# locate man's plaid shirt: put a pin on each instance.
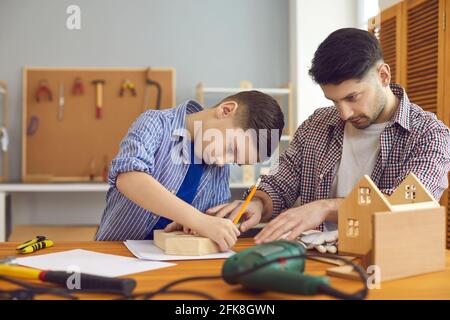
(413, 141)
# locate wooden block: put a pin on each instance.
(160, 237)
(336, 262)
(409, 243)
(345, 272)
(179, 243)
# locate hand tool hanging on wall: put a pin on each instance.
(61, 103)
(105, 169)
(4, 141)
(43, 88)
(99, 99)
(92, 170)
(33, 125)
(149, 83)
(127, 85)
(77, 87)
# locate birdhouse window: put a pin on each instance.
(364, 196)
(352, 228)
(410, 192)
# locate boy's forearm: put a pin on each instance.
(151, 195)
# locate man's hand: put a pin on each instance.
(291, 223)
(251, 216)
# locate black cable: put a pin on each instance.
(359, 295)
(65, 293)
(328, 290)
(35, 290)
(164, 289)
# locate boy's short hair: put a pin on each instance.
(260, 111)
(345, 54)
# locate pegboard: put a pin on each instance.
(71, 144)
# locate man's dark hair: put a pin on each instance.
(345, 54)
(260, 111)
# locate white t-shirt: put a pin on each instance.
(359, 155)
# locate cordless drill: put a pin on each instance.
(275, 266)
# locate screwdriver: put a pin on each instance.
(87, 281)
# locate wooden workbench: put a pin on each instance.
(429, 286)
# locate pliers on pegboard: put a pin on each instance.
(78, 87)
(127, 85)
(43, 88)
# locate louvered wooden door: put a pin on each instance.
(425, 61)
(417, 47)
(388, 29)
(445, 114)
(422, 53)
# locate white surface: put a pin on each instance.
(90, 262)
(145, 249)
(384, 4)
(310, 23)
(367, 9)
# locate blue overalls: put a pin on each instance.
(187, 191)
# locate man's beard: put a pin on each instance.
(380, 104)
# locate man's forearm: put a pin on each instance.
(267, 205)
(331, 207)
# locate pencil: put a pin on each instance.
(246, 202)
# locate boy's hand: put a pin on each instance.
(174, 226)
(222, 231)
(252, 214)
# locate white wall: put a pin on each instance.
(219, 42)
(367, 9)
(387, 3)
(311, 22)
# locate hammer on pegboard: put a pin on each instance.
(99, 97)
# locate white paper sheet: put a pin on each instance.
(146, 250)
(90, 262)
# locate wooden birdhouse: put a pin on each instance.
(402, 234)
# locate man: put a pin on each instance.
(372, 129)
(171, 167)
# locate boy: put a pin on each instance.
(167, 171)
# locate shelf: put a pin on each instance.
(237, 185)
(286, 91)
(54, 187)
